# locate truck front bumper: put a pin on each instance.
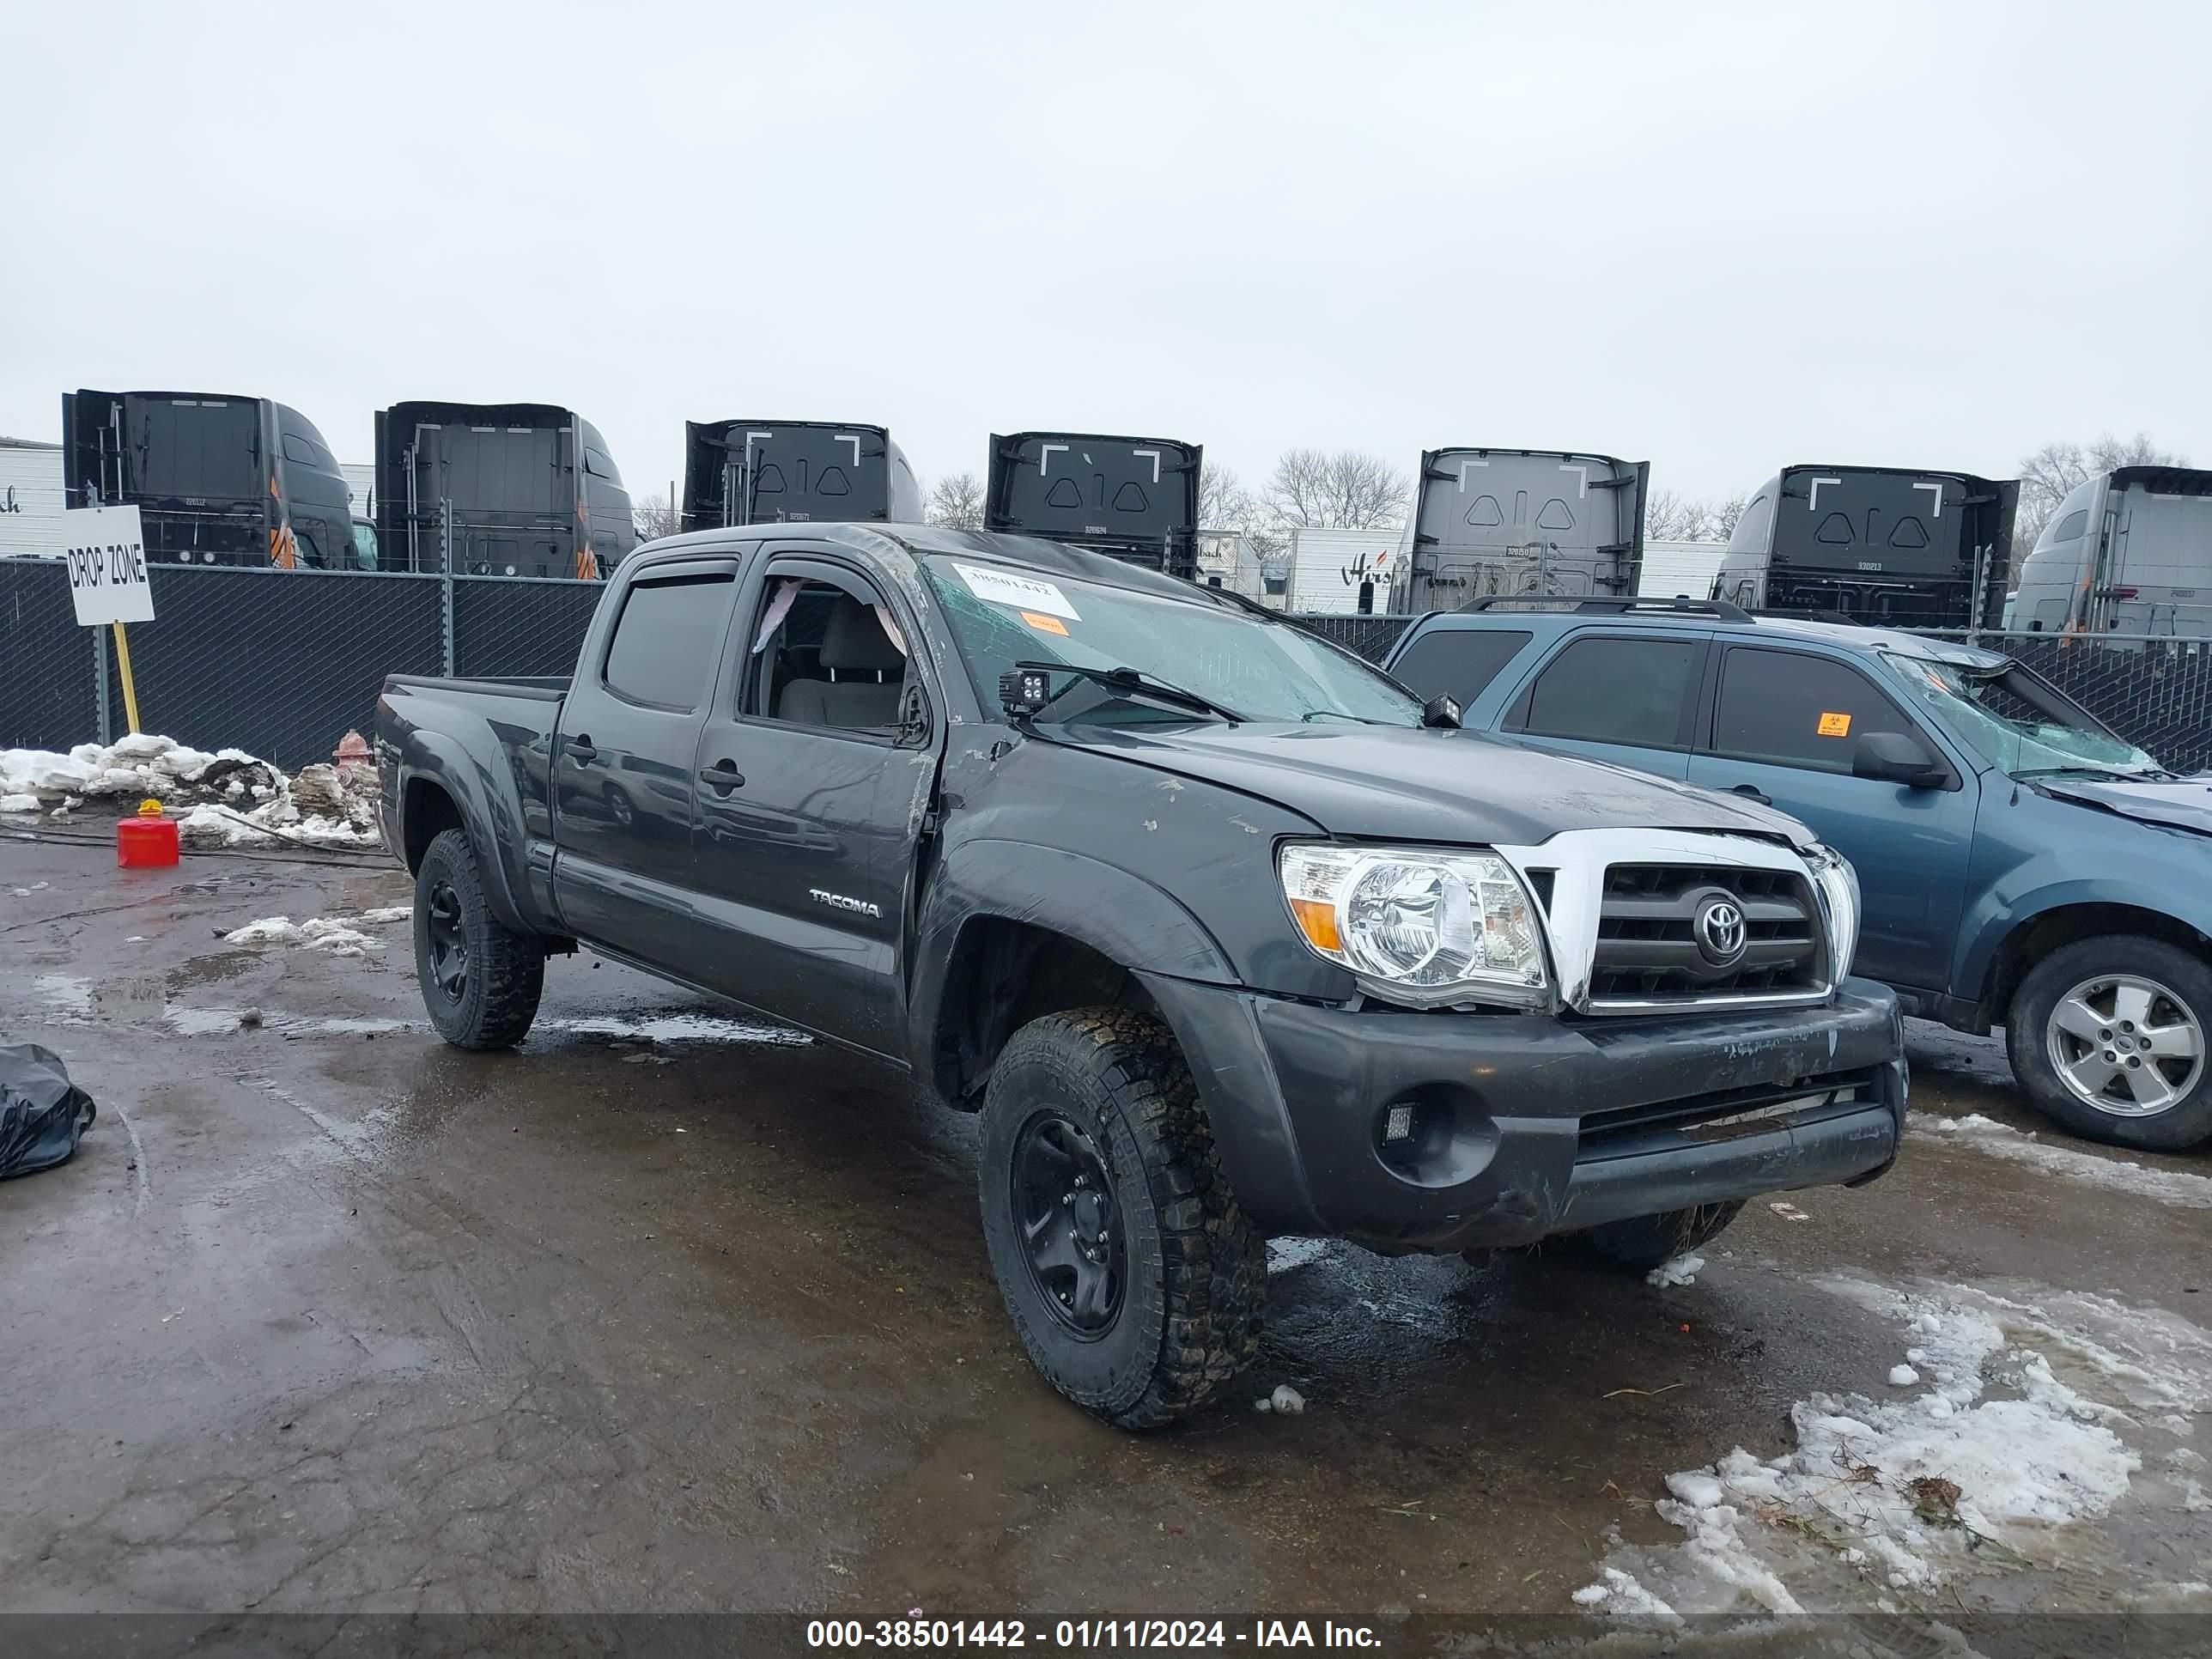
(1508, 1128)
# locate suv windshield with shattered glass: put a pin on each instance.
(2015, 722)
(1263, 670)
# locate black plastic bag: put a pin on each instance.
(42, 1113)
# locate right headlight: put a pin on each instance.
(1838, 885)
(1419, 926)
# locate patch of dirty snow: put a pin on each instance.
(1286, 1255)
(1682, 1270)
(2119, 1175)
(334, 935)
(234, 799)
(675, 1028)
(384, 915)
(2031, 1424)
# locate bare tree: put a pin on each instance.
(656, 516)
(1224, 503)
(1668, 517)
(1314, 490)
(957, 502)
(2049, 474)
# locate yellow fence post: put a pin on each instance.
(130, 690)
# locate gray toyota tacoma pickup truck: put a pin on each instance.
(1225, 934)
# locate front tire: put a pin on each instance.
(2108, 1035)
(481, 980)
(1135, 1283)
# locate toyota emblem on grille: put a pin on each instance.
(1719, 930)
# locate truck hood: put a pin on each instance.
(2173, 803)
(1403, 783)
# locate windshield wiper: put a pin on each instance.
(1128, 682)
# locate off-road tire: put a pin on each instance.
(1644, 1242)
(505, 969)
(1195, 1291)
(2027, 1040)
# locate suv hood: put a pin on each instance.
(2173, 803)
(1403, 783)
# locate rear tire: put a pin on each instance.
(1647, 1241)
(1135, 1283)
(480, 979)
(2141, 1002)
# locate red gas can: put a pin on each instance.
(148, 841)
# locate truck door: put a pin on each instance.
(623, 783)
(1784, 725)
(1628, 698)
(809, 769)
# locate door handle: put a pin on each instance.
(579, 751)
(1751, 792)
(722, 777)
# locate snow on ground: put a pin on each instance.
(1286, 1253)
(1682, 1270)
(336, 935)
(234, 799)
(2042, 1409)
(2119, 1175)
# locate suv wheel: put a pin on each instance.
(481, 980)
(1646, 1241)
(1134, 1281)
(2108, 1036)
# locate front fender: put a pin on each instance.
(491, 814)
(1999, 912)
(1123, 917)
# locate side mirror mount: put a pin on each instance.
(1896, 758)
(1442, 712)
(914, 722)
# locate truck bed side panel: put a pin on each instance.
(485, 746)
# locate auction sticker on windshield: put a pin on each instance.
(1022, 593)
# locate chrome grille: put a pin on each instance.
(1665, 931)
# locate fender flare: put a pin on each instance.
(1123, 917)
(492, 820)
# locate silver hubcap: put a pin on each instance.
(2126, 1044)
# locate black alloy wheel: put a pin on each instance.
(1071, 1226)
(449, 942)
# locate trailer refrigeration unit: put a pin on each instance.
(516, 490)
(1882, 545)
(1491, 522)
(216, 479)
(794, 472)
(1131, 499)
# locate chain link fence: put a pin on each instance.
(283, 663)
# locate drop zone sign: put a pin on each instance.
(106, 555)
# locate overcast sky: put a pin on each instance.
(1718, 237)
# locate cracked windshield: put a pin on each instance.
(2019, 725)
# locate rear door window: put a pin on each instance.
(1613, 689)
(666, 638)
(1792, 709)
(1458, 662)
